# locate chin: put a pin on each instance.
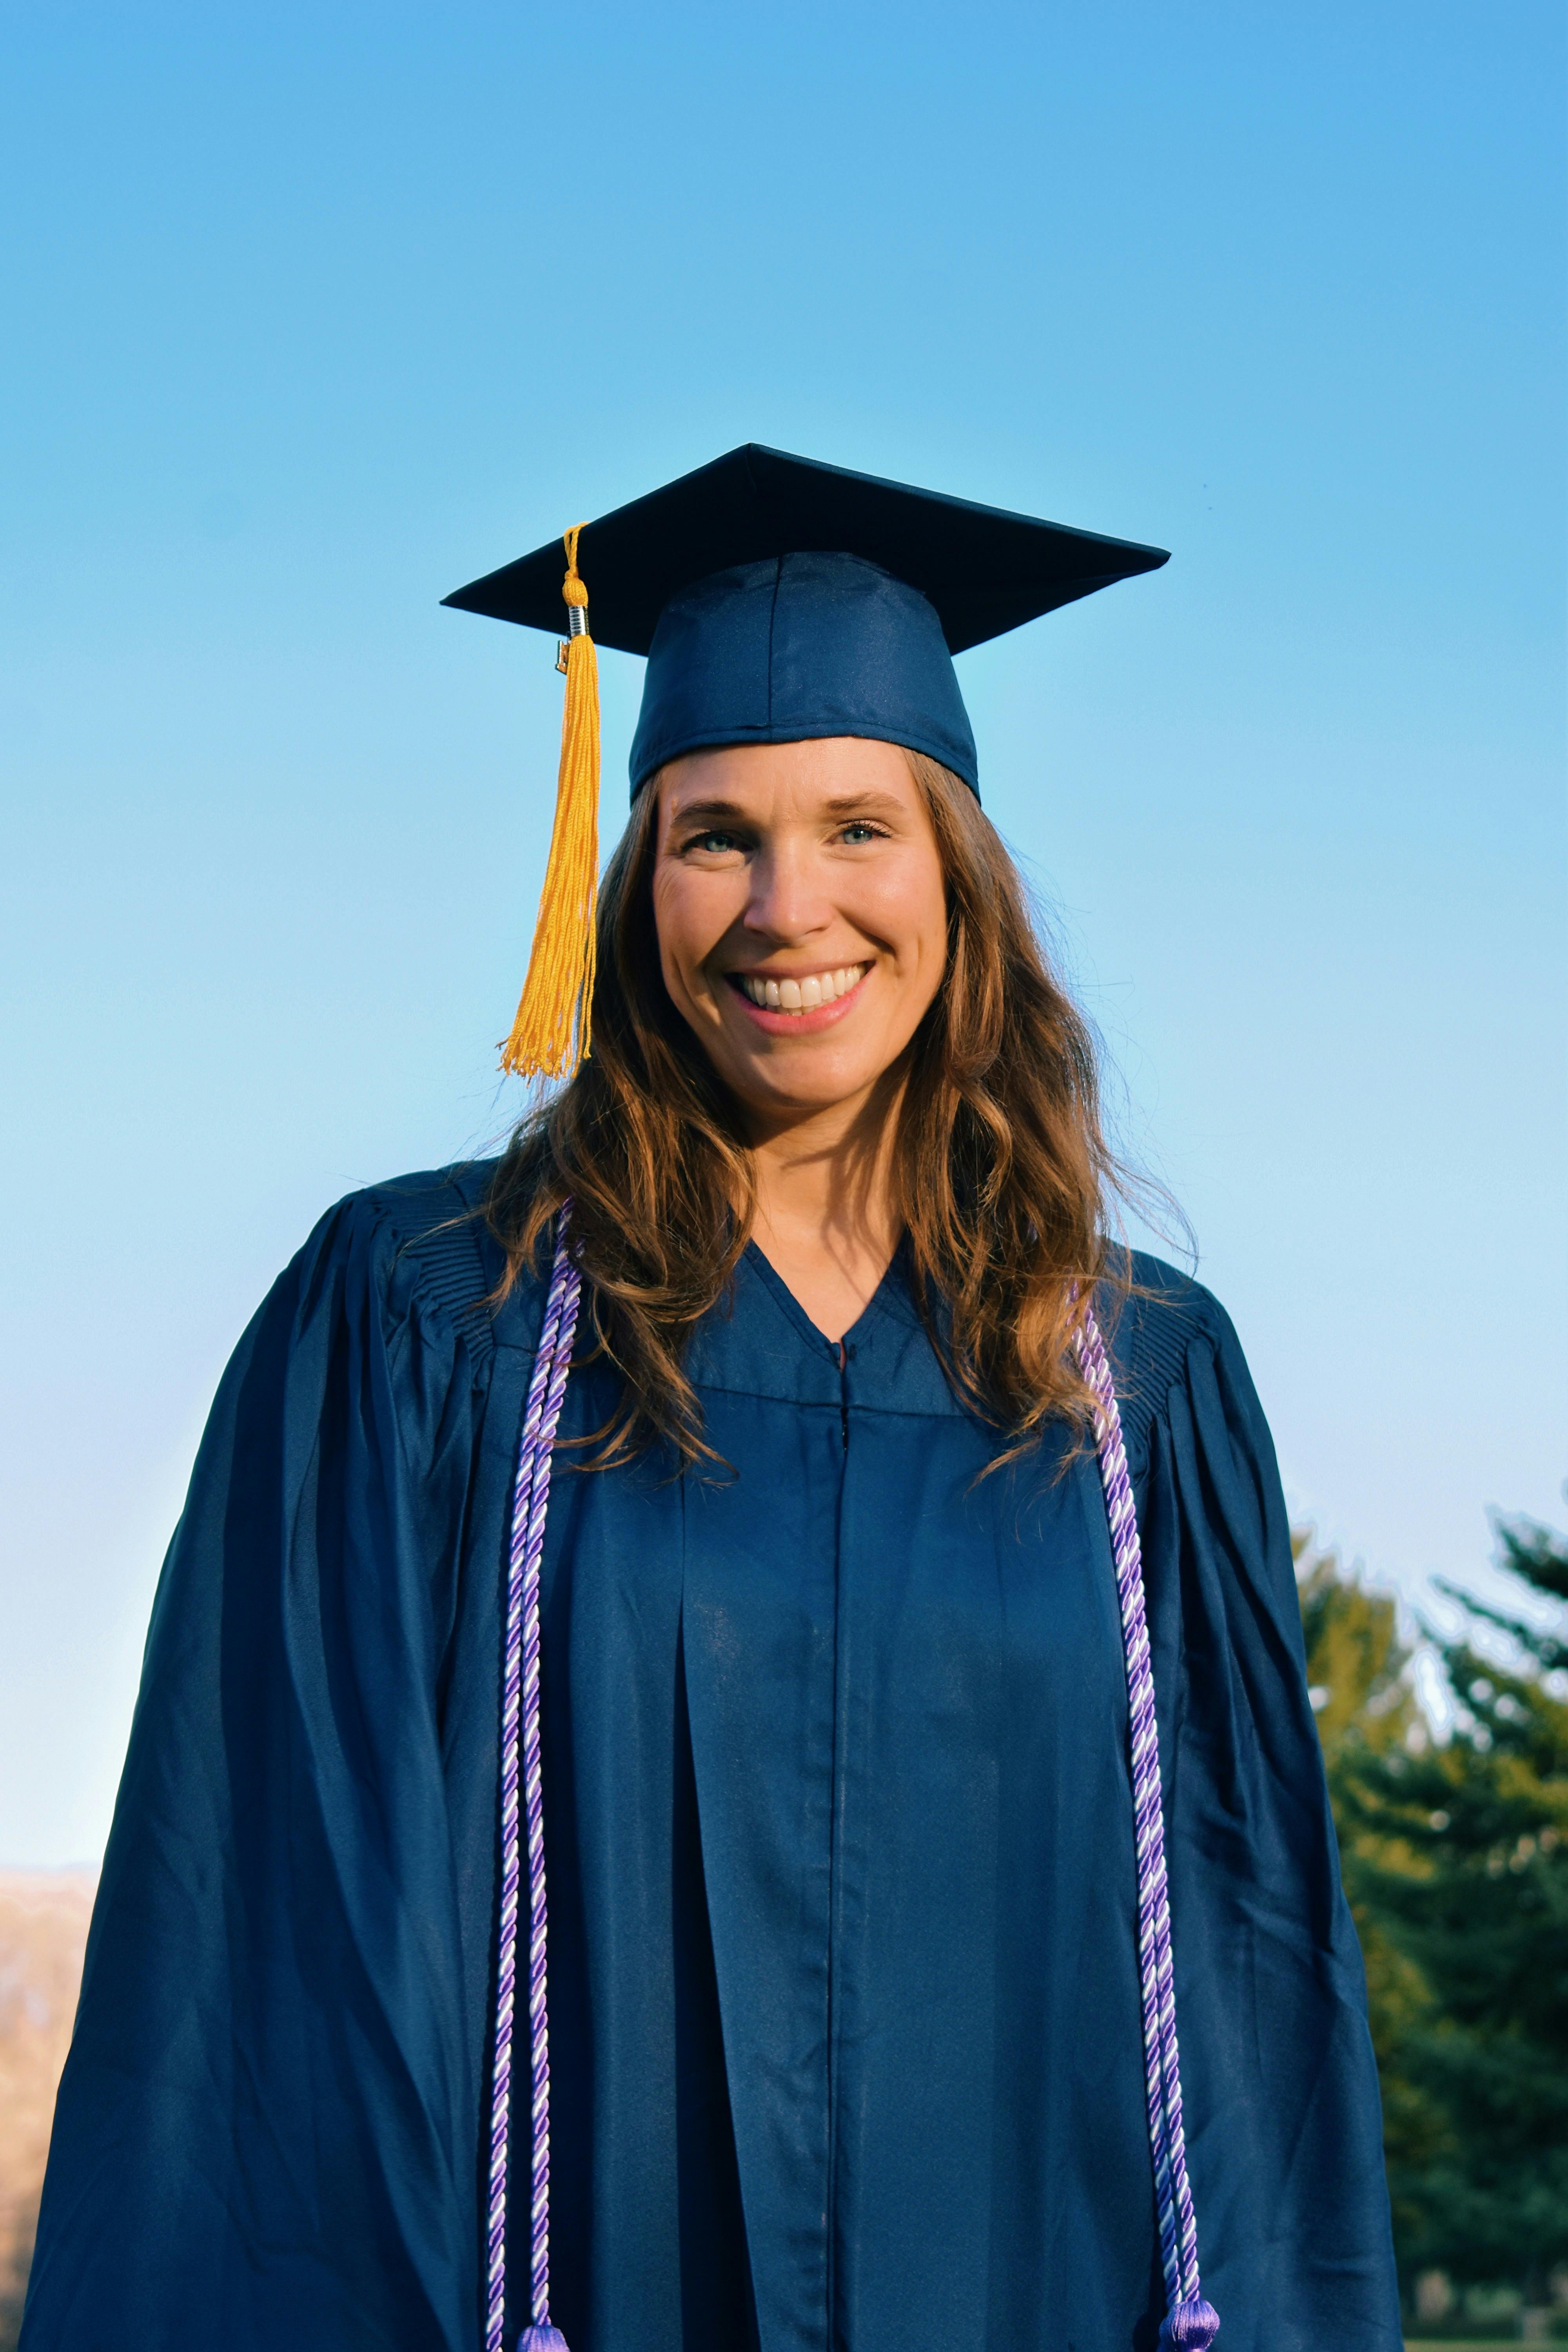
(802, 1086)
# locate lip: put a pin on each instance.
(793, 1024)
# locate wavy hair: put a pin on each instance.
(1001, 1166)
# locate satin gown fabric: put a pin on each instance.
(844, 1998)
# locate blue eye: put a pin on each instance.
(859, 832)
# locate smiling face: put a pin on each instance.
(802, 916)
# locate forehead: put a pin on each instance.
(778, 781)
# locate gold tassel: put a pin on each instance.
(549, 1034)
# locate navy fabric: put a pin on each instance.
(793, 648)
(983, 570)
(844, 1997)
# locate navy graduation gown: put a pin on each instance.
(844, 1998)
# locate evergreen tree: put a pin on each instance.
(1456, 1858)
(1366, 1712)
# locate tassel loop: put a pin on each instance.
(549, 1034)
(1192, 2326)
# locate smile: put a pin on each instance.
(803, 994)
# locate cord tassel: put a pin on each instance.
(1191, 2328)
(550, 1035)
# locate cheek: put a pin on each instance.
(669, 926)
(688, 919)
(911, 915)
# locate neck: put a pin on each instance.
(827, 1218)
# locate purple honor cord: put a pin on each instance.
(520, 1764)
(1190, 2324)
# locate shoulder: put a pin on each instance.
(410, 1212)
(1163, 1311)
(421, 1242)
(406, 1209)
(1155, 1330)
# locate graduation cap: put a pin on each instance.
(777, 601)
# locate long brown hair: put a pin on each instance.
(1001, 1165)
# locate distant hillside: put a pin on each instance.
(43, 1931)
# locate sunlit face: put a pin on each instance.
(802, 916)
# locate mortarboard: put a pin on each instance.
(777, 600)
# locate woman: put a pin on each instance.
(817, 1680)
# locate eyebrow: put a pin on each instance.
(839, 804)
(846, 803)
(711, 808)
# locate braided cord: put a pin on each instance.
(1189, 2321)
(520, 1772)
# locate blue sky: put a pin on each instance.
(313, 313)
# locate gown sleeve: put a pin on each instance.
(1283, 2112)
(267, 2127)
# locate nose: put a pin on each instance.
(787, 902)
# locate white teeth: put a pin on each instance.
(804, 996)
